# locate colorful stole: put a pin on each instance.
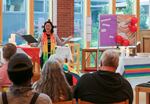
(44, 41)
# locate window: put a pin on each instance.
(41, 10)
(78, 20)
(98, 7)
(144, 14)
(39, 6)
(124, 6)
(14, 5)
(14, 22)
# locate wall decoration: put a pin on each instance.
(118, 30)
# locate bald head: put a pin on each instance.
(110, 58)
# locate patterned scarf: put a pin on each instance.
(45, 46)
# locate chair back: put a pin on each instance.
(67, 102)
(4, 88)
(123, 102)
(86, 102)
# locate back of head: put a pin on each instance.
(110, 58)
(20, 69)
(61, 61)
(58, 58)
(53, 81)
(9, 49)
(53, 65)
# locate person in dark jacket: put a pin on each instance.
(104, 86)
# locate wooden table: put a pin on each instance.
(142, 89)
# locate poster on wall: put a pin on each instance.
(108, 30)
(118, 30)
(126, 30)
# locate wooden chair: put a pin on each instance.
(67, 102)
(85, 102)
(4, 88)
(123, 102)
(142, 88)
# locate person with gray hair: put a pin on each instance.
(104, 86)
(109, 59)
(53, 81)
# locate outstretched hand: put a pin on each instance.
(32, 44)
(69, 37)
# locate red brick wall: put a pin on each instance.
(65, 18)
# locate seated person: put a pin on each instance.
(104, 86)
(53, 81)
(9, 49)
(71, 77)
(20, 72)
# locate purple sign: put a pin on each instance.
(108, 30)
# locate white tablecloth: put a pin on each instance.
(64, 52)
(133, 62)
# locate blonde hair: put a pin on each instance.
(53, 81)
(110, 58)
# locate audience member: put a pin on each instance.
(104, 86)
(9, 49)
(20, 72)
(72, 78)
(53, 81)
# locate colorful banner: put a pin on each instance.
(117, 30)
(108, 30)
(126, 28)
(137, 70)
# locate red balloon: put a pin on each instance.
(119, 39)
(133, 28)
(129, 26)
(125, 42)
(134, 20)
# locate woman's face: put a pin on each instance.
(48, 27)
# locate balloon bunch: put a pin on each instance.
(121, 41)
(132, 26)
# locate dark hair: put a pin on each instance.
(20, 69)
(9, 50)
(48, 21)
(20, 77)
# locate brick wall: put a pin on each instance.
(65, 18)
